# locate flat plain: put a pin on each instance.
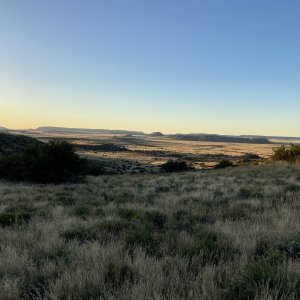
(138, 154)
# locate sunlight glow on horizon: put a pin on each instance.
(153, 66)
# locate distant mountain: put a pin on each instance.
(272, 137)
(220, 138)
(3, 129)
(156, 134)
(86, 131)
(10, 143)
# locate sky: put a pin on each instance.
(214, 66)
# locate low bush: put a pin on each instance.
(212, 246)
(175, 166)
(290, 246)
(224, 164)
(130, 214)
(114, 226)
(258, 274)
(154, 220)
(143, 238)
(118, 274)
(83, 210)
(91, 167)
(53, 162)
(7, 219)
(290, 154)
(235, 212)
(79, 234)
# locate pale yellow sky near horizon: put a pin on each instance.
(59, 107)
(21, 120)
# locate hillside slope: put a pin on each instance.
(13, 143)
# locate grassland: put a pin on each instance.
(226, 234)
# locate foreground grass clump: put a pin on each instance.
(225, 234)
(211, 246)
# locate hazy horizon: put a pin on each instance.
(148, 132)
(229, 68)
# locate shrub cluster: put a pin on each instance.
(52, 162)
(291, 154)
(224, 164)
(175, 166)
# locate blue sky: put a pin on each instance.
(228, 67)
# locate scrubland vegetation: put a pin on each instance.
(53, 162)
(290, 154)
(223, 234)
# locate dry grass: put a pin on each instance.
(229, 234)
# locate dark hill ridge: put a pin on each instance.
(220, 138)
(14, 143)
(156, 134)
(86, 131)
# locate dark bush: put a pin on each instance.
(262, 273)
(130, 214)
(154, 219)
(143, 238)
(224, 164)
(291, 154)
(114, 226)
(52, 162)
(235, 212)
(7, 219)
(212, 246)
(175, 166)
(118, 274)
(79, 234)
(290, 246)
(91, 167)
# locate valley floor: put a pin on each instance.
(228, 234)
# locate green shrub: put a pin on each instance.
(91, 167)
(262, 273)
(290, 246)
(284, 153)
(180, 222)
(130, 214)
(175, 166)
(82, 210)
(224, 164)
(7, 219)
(292, 188)
(54, 162)
(212, 246)
(235, 213)
(143, 238)
(118, 274)
(155, 219)
(80, 234)
(114, 226)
